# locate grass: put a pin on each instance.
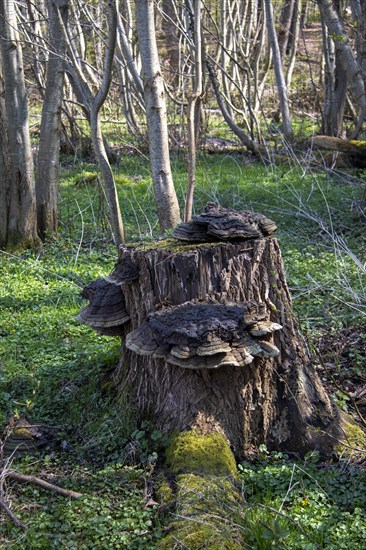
(56, 371)
(326, 501)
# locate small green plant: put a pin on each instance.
(148, 443)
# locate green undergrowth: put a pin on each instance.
(303, 505)
(55, 369)
(57, 372)
(113, 511)
(271, 501)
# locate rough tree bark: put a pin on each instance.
(275, 397)
(21, 228)
(47, 178)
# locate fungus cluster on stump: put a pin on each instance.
(209, 340)
(197, 335)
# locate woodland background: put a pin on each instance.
(116, 121)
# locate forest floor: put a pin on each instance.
(57, 373)
(344, 366)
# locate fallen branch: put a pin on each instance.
(32, 479)
(11, 515)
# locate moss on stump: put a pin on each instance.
(200, 454)
(353, 441)
(204, 520)
(205, 493)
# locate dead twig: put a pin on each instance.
(45, 484)
(11, 515)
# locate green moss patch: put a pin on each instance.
(174, 246)
(205, 518)
(200, 454)
(205, 493)
(353, 442)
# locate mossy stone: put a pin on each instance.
(200, 454)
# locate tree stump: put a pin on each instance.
(209, 340)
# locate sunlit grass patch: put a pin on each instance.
(303, 504)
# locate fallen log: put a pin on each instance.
(354, 150)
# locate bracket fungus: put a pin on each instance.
(106, 312)
(224, 224)
(126, 269)
(197, 335)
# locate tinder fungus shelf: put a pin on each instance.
(209, 340)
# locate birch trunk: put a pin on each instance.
(165, 195)
(278, 69)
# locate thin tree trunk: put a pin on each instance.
(345, 57)
(165, 195)
(47, 178)
(294, 41)
(285, 26)
(107, 174)
(278, 69)
(170, 31)
(93, 103)
(22, 215)
(193, 114)
(243, 137)
(126, 50)
(329, 72)
(4, 166)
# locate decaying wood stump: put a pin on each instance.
(209, 340)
